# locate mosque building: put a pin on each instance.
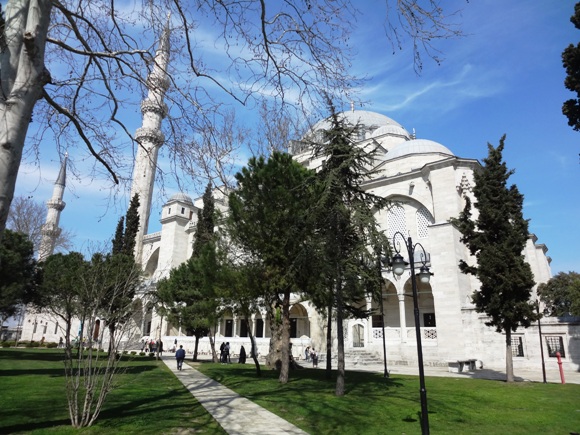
(427, 185)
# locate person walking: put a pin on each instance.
(180, 356)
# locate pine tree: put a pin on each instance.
(497, 238)
(269, 223)
(344, 215)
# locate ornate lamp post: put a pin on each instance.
(399, 264)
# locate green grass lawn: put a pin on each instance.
(149, 400)
(374, 405)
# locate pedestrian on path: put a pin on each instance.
(180, 356)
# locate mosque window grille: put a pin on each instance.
(424, 220)
(517, 346)
(396, 221)
(555, 344)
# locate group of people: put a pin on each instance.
(152, 346)
(224, 355)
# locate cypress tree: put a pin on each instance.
(497, 239)
(131, 226)
(205, 223)
(118, 239)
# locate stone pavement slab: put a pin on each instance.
(235, 414)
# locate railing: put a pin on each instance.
(394, 334)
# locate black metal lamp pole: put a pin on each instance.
(398, 264)
(541, 343)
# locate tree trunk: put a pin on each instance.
(195, 348)
(509, 362)
(112, 338)
(285, 363)
(22, 77)
(329, 343)
(254, 351)
(274, 357)
(212, 345)
(340, 341)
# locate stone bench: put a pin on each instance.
(460, 365)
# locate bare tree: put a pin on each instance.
(80, 67)
(27, 216)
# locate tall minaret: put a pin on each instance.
(50, 230)
(150, 138)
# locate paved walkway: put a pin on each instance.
(240, 416)
(235, 414)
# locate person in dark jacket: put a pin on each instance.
(180, 356)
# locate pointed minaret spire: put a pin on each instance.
(50, 230)
(150, 138)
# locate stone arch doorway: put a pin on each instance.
(299, 323)
(358, 335)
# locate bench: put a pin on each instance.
(460, 365)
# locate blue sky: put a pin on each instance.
(504, 77)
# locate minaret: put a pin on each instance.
(150, 138)
(50, 230)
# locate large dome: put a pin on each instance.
(418, 146)
(369, 120)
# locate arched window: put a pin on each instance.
(396, 221)
(424, 219)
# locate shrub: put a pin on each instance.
(32, 344)
(141, 353)
(8, 343)
(151, 353)
(51, 345)
(133, 352)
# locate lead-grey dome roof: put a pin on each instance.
(364, 118)
(181, 197)
(418, 146)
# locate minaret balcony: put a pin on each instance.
(151, 106)
(56, 204)
(149, 134)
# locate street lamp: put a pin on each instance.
(398, 265)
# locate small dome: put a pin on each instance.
(391, 130)
(418, 146)
(180, 197)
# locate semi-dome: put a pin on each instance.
(390, 130)
(418, 146)
(181, 197)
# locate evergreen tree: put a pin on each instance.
(269, 223)
(125, 235)
(561, 294)
(205, 222)
(345, 219)
(18, 273)
(497, 238)
(118, 239)
(132, 222)
(571, 62)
